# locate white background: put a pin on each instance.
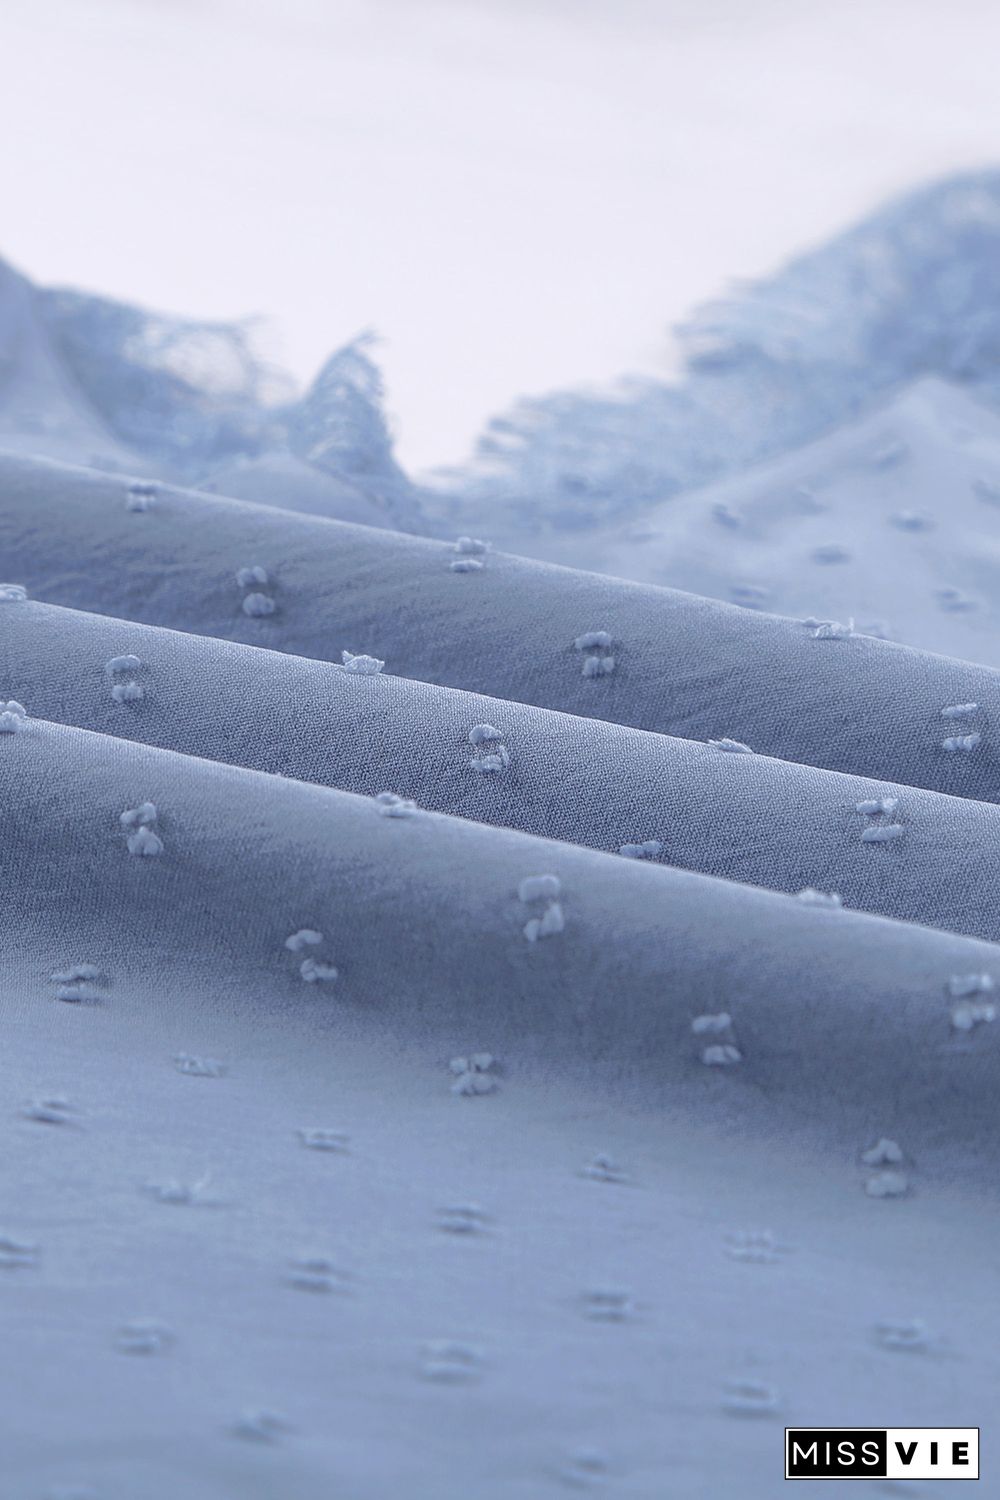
(517, 195)
(920, 1466)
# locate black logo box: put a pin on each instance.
(839, 1452)
(836, 1453)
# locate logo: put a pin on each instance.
(881, 1452)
